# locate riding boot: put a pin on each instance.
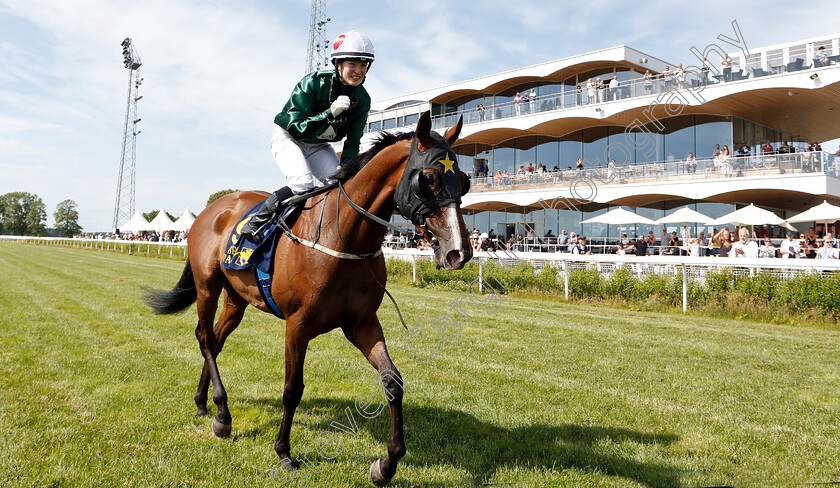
(270, 211)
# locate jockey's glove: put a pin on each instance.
(340, 104)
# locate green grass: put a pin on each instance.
(97, 391)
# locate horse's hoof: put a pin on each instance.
(282, 471)
(220, 429)
(376, 474)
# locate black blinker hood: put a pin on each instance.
(411, 200)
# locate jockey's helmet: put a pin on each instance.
(352, 45)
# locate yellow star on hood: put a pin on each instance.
(447, 164)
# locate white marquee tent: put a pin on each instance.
(161, 223)
(185, 221)
(136, 224)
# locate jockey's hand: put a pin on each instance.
(340, 104)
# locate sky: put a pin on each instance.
(216, 73)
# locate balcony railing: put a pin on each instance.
(701, 169)
(640, 87)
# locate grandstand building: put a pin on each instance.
(634, 135)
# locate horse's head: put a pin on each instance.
(429, 193)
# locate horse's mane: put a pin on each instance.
(382, 141)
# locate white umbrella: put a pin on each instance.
(136, 224)
(751, 215)
(824, 212)
(185, 221)
(683, 216)
(618, 216)
(161, 222)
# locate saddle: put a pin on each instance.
(242, 252)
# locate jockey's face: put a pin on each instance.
(352, 71)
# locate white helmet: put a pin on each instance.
(352, 45)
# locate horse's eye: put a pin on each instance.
(430, 179)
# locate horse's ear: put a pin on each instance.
(423, 132)
(454, 131)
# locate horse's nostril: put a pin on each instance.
(454, 257)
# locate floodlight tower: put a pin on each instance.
(319, 48)
(124, 206)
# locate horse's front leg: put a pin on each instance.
(369, 339)
(296, 343)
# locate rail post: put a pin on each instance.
(685, 289)
(566, 277)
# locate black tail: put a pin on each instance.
(181, 297)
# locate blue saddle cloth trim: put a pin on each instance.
(264, 281)
(243, 253)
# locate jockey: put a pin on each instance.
(325, 106)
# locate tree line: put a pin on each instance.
(25, 214)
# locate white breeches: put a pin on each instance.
(302, 162)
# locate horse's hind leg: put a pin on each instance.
(208, 292)
(368, 338)
(232, 312)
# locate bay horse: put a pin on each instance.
(318, 291)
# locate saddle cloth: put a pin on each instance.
(243, 253)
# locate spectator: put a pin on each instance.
(703, 244)
(517, 103)
(726, 64)
(725, 243)
(726, 162)
(611, 170)
(704, 71)
(580, 247)
(641, 246)
(667, 76)
(811, 238)
(807, 249)
(614, 88)
(674, 244)
(663, 241)
(648, 77)
(826, 251)
(744, 150)
(680, 76)
(487, 244)
(578, 95)
(767, 149)
(822, 57)
(563, 241)
(480, 110)
(767, 250)
(691, 163)
(692, 246)
(580, 164)
(789, 248)
(532, 101)
(590, 90)
(602, 92)
(744, 248)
